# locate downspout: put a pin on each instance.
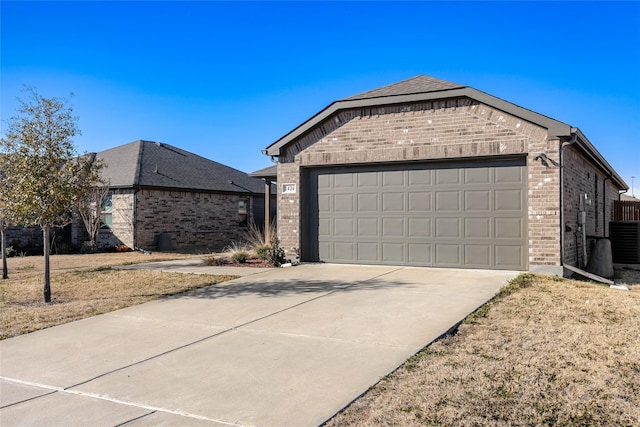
(604, 205)
(574, 138)
(135, 218)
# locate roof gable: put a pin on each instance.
(419, 89)
(158, 165)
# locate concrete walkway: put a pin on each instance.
(282, 347)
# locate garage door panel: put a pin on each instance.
(448, 254)
(477, 176)
(477, 255)
(393, 253)
(393, 202)
(368, 227)
(393, 227)
(447, 201)
(508, 256)
(344, 251)
(343, 180)
(447, 228)
(446, 215)
(324, 202)
(420, 253)
(393, 178)
(343, 203)
(324, 181)
(368, 202)
(343, 227)
(368, 252)
(419, 177)
(367, 179)
(447, 176)
(324, 227)
(508, 174)
(420, 227)
(420, 201)
(477, 200)
(477, 228)
(324, 250)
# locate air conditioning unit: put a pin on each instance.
(625, 241)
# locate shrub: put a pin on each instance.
(275, 254)
(214, 260)
(262, 252)
(240, 257)
(10, 251)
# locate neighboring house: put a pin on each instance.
(427, 172)
(157, 189)
(628, 198)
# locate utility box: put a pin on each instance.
(625, 241)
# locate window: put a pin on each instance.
(242, 213)
(106, 213)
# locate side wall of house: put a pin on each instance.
(581, 177)
(24, 239)
(451, 129)
(191, 219)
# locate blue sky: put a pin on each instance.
(226, 79)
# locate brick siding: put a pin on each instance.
(192, 219)
(581, 176)
(451, 129)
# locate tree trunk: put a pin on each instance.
(47, 281)
(5, 272)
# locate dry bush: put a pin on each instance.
(214, 260)
(557, 352)
(256, 237)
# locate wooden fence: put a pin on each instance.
(626, 210)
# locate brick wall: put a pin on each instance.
(580, 177)
(192, 219)
(456, 128)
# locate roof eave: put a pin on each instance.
(594, 155)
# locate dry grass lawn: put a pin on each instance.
(83, 286)
(545, 352)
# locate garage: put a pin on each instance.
(448, 214)
(426, 172)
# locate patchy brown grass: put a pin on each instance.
(547, 352)
(83, 286)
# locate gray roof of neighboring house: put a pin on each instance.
(268, 172)
(158, 165)
(423, 88)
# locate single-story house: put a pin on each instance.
(426, 172)
(157, 189)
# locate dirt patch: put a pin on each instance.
(558, 352)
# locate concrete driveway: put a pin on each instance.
(282, 347)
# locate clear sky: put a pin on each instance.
(226, 79)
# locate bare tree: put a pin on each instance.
(90, 208)
(50, 176)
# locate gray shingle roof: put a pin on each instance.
(268, 172)
(160, 165)
(417, 84)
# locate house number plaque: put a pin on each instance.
(288, 188)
